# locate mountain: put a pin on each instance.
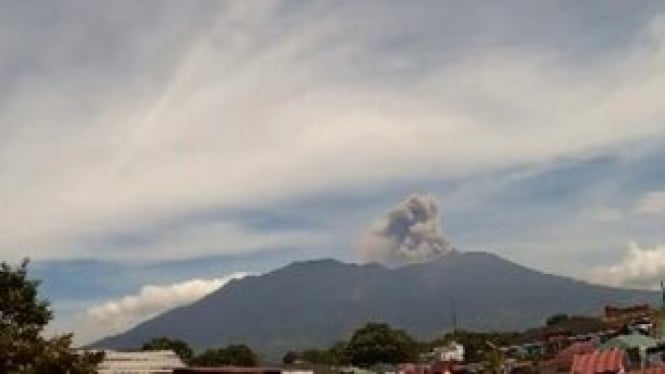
(316, 303)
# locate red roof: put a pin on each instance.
(577, 348)
(611, 360)
(564, 359)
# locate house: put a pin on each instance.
(642, 316)
(563, 361)
(145, 362)
(228, 370)
(452, 352)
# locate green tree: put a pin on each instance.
(338, 354)
(317, 356)
(23, 317)
(290, 357)
(180, 347)
(494, 360)
(234, 354)
(557, 319)
(379, 343)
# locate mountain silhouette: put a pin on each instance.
(316, 303)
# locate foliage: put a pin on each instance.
(379, 343)
(557, 319)
(317, 356)
(290, 357)
(234, 354)
(493, 360)
(23, 317)
(180, 347)
(335, 355)
(475, 343)
(338, 354)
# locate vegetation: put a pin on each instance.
(475, 343)
(379, 343)
(234, 354)
(180, 347)
(493, 359)
(23, 317)
(290, 357)
(557, 319)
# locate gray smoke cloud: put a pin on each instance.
(410, 232)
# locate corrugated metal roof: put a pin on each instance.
(634, 340)
(139, 362)
(611, 360)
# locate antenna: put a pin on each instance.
(453, 312)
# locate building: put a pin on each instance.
(452, 352)
(228, 370)
(642, 315)
(563, 361)
(144, 362)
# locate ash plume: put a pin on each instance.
(410, 232)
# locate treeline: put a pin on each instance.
(232, 354)
(374, 343)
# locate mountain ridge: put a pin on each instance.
(315, 303)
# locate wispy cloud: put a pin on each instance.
(117, 315)
(129, 122)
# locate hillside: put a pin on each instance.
(316, 303)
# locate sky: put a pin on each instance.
(152, 151)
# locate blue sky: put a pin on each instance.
(155, 143)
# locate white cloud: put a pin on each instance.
(118, 315)
(256, 107)
(640, 267)
(653, 203)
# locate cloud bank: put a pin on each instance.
(115, 316)
(116, 117)
(410, 232)
(640, 267)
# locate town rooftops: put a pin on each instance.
(634, 340)
(228, 370)
(157, 362)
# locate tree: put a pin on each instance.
(557, 319)
(335, 355)
(234, 354)
(180, 347)
(23, 317)
(316, 356)
(378, 343)
(338, 354)
(494, 360)
(290, 357)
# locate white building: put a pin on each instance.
(450, 352)
(145, 362)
